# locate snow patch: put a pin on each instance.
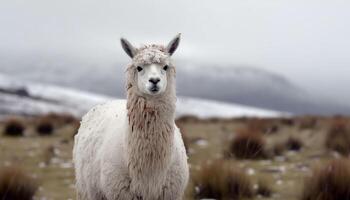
(27, 98)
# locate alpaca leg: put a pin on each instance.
(168, 193)
(119, 190)
(81, 195)
(174, 186)
(84, 196)
(125, 193)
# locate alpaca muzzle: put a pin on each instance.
(154, 88)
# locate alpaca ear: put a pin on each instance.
(173, 44)
(128, 48)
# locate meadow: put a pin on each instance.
(296, 158)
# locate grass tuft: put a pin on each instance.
(16, 185)
(14, 127)
(330, 182)
(221, 180)
(338, 137)
(45, 126)
(294, 144)
(248, 145)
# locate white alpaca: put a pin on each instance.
(132, 149)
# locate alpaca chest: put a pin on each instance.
(149, 154)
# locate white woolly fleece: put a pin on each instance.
(132, 149)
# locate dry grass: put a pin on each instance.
(48, 154)
(247, 145)
(307, 122)
(187, 119)
(14, 127)
(61, 119)
(278, 149)
(338, 137)
(287, 121)
(45, 126)
(294, 144)
(221, 180)
(283, 144)
(257, 125)
(330, 182)
(16, 185)
(49, 158)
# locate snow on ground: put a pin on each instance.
(207, 108)
(26, 98)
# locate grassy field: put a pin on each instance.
(288, 149)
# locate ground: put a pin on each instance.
(49, 158)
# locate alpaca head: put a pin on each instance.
(151, 72)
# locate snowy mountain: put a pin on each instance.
(28, 98)
(242, 85)
(254, 87)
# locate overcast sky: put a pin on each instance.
(306, 41)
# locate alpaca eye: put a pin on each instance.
(139, 68)
(165, 67)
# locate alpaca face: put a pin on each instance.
(152, 78)
(151, 67)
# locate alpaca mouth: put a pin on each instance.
(154, 89)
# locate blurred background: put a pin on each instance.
(263, 86)
(282, 55)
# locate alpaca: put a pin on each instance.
(132, 149)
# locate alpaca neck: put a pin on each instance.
(150, 138)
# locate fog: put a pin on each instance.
(306, 41)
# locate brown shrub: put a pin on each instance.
(16, 185)
(14, 127)
(45, 126)
(187, 119)
(294, 144)
(338, 137)
(330, 182)
(60, 119)
(221, 180)
(248, 145)
(288, 121)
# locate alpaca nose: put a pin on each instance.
(154, 80)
